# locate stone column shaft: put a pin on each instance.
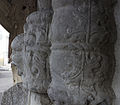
(82, 34)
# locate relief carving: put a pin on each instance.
(35, 54)
(82, 34)
(34, 57)
(81, 63)
(37, 51)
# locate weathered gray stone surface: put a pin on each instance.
(38, 99)
(82, 62)
(31, 56)
(37, 49)
(17, 53)
(116, 80)
(6, 81)
(16, 95)
(83, 34)
(44, 4)
(36, 56)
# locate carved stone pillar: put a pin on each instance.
(37, 50)
(36, 57)
(83, 34)
(35, 54)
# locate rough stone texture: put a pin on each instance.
(36, 53)
(37, 49)
(16, 95)
(5, 81)
(30, 52)
(38, 99)
(116, 80)
(17, 53)
(17, 14)
(83, 34)
(44, 4)
(4, 10)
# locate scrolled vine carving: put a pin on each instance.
(37, 51)
(82, 34)
(33, 49)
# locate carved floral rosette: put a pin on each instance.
(82, 59)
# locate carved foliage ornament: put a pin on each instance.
(83, 34)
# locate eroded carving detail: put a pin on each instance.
(82, 60)
(34, 56)
(36, 59)
(37, 51)
(17, 53)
